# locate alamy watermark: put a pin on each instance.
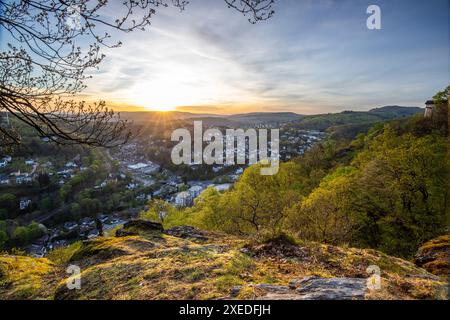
(238, 146)
(374, 20)
(374, 281)
(74, 281)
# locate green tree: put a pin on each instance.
(3, 239)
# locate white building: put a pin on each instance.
(183, 199)
(71, 164)
(223, 187)
(195, 191)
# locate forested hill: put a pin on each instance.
(385, 190)
(348, 118)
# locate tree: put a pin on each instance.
(158, 211)
(3, 239)
(43, 180)
(9, 203)
(56, 42)
(328, 214)
(257, 204)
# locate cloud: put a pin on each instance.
(310, 57)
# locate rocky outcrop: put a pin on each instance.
(187, 232)
(316, 288)
(333, 288)
(156, 265)
(139, 227)
(434, 256)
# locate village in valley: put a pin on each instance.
(112, 186)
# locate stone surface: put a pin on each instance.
(333, 289)
(295, 283)
(316, 288)
(134, 227)
(271, 288)
(434, 256)
(235, 291)
(187, 232)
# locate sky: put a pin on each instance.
(312, 56)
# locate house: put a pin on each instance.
(183, 199)
(29, 162)
(22, 179)
(7, 159)
(223, 187)
(132, 186)
(195, 191)
(70, 225)
(71, 164)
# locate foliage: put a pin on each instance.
(391, 198)
(23, 235)
(386, 190)
(63, 255)
(159, 210)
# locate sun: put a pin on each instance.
(161, 109)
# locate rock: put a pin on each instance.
(124, 233)
(277, 250)
(135, 227)
(281, 296)
(295, 283)
(235, 291)
(187, 232)
(434, 256)
(420, 276)
(271, 288)
(316, 288)
(333, 289)
(144, 225)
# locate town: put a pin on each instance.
(82, 194)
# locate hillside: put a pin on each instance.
(261, 117)
(352, 120)
(185, 263)
(368, 118)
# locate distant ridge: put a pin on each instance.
(318, 122)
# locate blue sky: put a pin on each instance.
(312, 56)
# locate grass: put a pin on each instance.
(167, 267)
(22, 277)
(63, 255)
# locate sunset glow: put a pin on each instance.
(186, 61)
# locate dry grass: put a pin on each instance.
(167, 267)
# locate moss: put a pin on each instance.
(438, 267)
(239, 263)
(23, 277)
(63, 255)
(226, 282)
(246, 293)
(134, 267)
(280, 239)
(102, 248)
